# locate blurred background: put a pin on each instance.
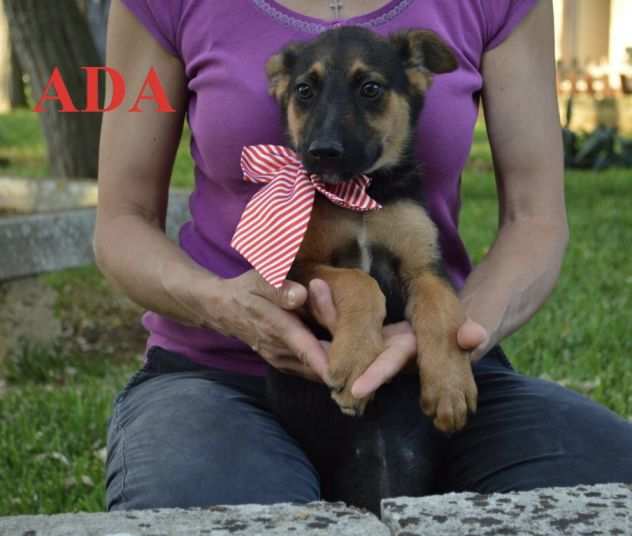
(68, 342)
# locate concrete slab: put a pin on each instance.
(314, 519)
(585, 510)
(26, 195)
(54, 241)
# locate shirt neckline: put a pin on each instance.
(314, 25)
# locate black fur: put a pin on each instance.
(362, 460)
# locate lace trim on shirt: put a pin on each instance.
(315, 27)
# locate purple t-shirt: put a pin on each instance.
(224, 47)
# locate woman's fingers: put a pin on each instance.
(302, 344)
(401, 347)
(290, 295)
(398, 329)
(291, 365)
(381, 371)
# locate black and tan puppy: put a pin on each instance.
(351, 101)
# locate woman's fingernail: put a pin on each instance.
(291, 297)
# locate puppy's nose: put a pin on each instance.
(324, 149)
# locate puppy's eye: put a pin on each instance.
(304, 91)
(371, 90)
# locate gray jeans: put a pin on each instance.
(182, 435)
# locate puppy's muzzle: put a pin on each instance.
(326, 151)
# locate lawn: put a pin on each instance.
(54, 406)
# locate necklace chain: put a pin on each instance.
(336, 6)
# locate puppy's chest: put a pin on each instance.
(368, 240)
(339, 237)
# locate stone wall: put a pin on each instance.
(584, 510)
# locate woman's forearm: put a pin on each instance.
(515, 278)
(137, 257)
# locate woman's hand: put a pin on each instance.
(262, 316)
(399, 339)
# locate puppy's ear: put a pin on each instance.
(423, 52)
(278, 69)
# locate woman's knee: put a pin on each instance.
(192, 442)
(532, 433)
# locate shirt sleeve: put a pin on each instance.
(161, 19)
(502, 17)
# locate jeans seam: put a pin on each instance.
(124, 497)
(120, 430)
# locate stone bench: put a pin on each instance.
(584, 510)
(59, 235)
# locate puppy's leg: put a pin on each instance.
(357, 334)
(448, 390)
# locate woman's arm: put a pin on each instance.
(135, 162)
(521, 268)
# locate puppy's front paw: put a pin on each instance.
(349, 358)
(448, 390)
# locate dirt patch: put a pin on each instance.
(26, 314)
(75, 312)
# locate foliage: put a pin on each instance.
(598, 150)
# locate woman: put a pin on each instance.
(191, 428)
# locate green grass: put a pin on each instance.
(22, 143)
(53, 414)
(52, 432)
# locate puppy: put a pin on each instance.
(351, 101)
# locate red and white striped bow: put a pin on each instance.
(274, 222)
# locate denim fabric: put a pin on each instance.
(184, 435)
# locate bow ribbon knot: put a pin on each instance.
(273, 224)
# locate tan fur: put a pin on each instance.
(278, 78)
(357, 336)
(295, 122)
(330, 228)
(448, 389)
(358, 67)
(405, 229)
(427, 54)
(419, 79)
(394, 126)
(318, 70)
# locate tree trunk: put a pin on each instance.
(46, 35)
(97, 14)
(17, 90)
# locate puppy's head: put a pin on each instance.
(351, 99)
